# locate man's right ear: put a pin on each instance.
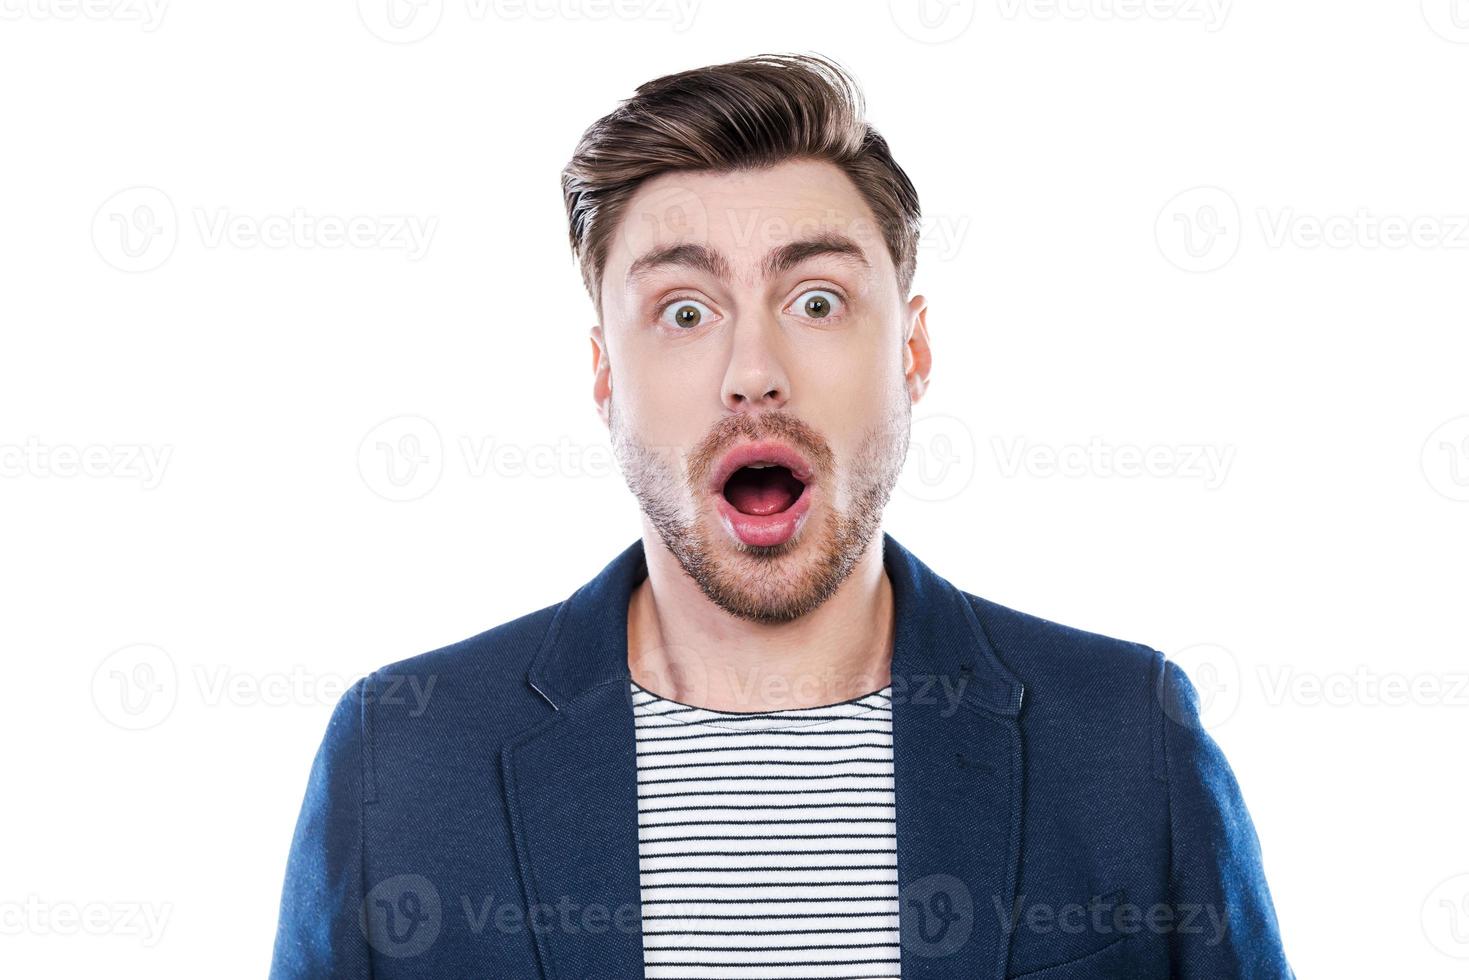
(601, 374)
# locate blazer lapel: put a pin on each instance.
(571, 788)
(572, 792)
(958, 775)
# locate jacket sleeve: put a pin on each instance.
(1224, 920)
(319, 934)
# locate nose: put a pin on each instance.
(756, 378)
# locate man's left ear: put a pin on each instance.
(917, 356)
(601, 374)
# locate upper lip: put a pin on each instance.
(759, 452)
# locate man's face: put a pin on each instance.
(753, 318)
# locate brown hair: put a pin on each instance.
(751, 113)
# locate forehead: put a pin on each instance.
(743, 215)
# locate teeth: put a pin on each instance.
(760, 466)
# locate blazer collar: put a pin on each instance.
(937, 634)
(570, 781)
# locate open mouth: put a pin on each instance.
(762, 489)
(764, 492)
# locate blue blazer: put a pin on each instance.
(1061, 814)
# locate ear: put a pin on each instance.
(601, 374)
(917, 356)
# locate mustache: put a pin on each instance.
(777, 426)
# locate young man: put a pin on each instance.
(766, 740)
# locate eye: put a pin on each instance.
(818, 304)
(685, 314)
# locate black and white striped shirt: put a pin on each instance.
(767, 842)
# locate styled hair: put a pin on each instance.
(748, 114)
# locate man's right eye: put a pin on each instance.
(685, 314)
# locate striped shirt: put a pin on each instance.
(767, 841)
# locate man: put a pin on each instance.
(766, 740)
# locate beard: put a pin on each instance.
(779, 583)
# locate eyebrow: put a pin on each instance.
(692, 255)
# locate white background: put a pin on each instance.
(1300, 321)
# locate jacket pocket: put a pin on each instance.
(1106, 963)
(1076, 941)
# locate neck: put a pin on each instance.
(684, 647)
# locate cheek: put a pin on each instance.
(661, 411)
(846, 383)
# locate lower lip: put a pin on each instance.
(770, 530)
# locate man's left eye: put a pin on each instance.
(818, 304)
